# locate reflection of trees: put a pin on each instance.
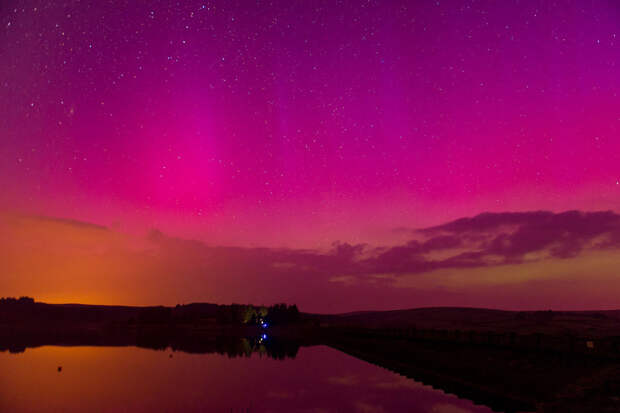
(229, 346)
(276, 348)
(244, 347)
(281, 349)
(13, 349)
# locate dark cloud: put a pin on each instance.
(61, 221)
(562, 235)
(441, 242)
(488, 221)
(502, 238)
(485, 240)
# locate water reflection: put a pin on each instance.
(162, 339)
(236, 376)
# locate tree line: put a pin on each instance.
(9, 301)
(236, 314)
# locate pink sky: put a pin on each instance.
(297, 126)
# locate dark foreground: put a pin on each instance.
(530, 362)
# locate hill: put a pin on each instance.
(590, 323)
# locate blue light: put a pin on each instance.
(264, 336)
(264, 325)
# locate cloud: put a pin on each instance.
(364, 407)
(487, 221)
(448, 408)
(401, 382)
(502, 238)
(64, 221)
(563, 235)
(349, 380)
(280, 395)
(59, 258)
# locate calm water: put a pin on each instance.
(132, 379)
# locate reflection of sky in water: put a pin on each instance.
(130, 379)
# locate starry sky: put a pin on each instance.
(343, 155)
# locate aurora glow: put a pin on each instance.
(268, 131)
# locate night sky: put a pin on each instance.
(342, 155)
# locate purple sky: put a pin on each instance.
(291, 126)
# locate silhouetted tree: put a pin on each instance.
(283, 314)
(155, 315)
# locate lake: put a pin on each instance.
(134, 379)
